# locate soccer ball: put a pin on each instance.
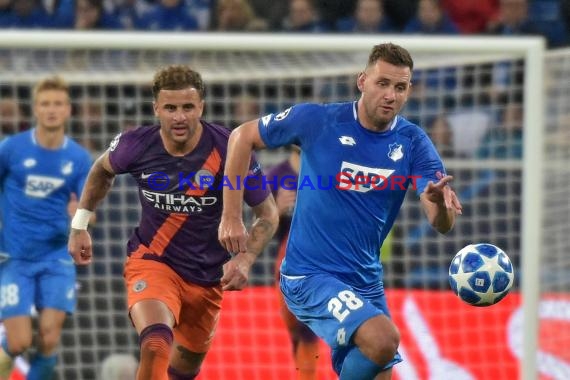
(481, 274)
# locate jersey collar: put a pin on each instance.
(35, 142)
(355, 114)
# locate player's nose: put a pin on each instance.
(179, 116)
(390, 94)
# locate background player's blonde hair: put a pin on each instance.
(51, 83)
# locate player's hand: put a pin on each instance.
(232, 234)
(80, 246)
(442, 194)
(236, 272)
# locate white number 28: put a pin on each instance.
(341, 305)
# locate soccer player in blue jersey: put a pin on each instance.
(41, 171)
(176, 269)
(358, 158)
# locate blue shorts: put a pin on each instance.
(334, 310)
(43, 284)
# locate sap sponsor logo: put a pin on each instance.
(39, 186)
(361, 178)
(178, 203)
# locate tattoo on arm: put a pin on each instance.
(261, 232)
(99, 181)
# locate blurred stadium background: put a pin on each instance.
(474, 104)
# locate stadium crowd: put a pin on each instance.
(550, 18)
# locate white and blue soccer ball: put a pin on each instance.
(481, 274)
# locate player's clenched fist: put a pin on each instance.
(236, 272)
(80, 247)
(232, 234)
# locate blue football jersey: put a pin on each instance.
(36, 185)
(352, 183)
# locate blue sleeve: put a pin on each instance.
(299, 125)
(426, 163)
(4, 158)
(83, 172)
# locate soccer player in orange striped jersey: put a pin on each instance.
(176, 269)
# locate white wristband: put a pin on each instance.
(81, 219)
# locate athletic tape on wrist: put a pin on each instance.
(81, 219)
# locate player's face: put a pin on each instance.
(385, 89)
(179, 112)
(52, 109)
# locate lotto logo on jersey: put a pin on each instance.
(39, 186)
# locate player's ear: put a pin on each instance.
(360, 81)
(155, 108)
(409, 91)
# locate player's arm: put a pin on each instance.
(440, 204)
(72, 206)
(236, 271)
(243, 140)
(99, 181)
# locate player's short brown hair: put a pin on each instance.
(51, 83)
(392, 54)
(177, 77)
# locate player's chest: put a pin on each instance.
(39, 176)
(192, 180)
(361, 154)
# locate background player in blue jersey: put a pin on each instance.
(176, 269)
(358, 158)
(41, 171)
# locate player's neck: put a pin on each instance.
(366, 123)
(49, 138)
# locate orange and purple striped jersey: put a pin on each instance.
(181, 199)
